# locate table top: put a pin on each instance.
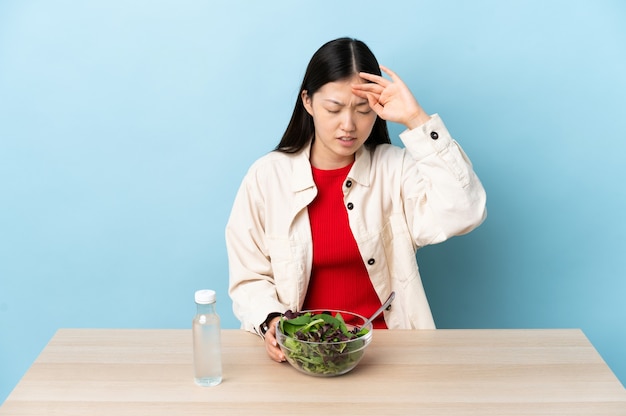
(404, 372)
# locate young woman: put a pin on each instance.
(333, 217)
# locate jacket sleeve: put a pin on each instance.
(251, 281)
(442, 195)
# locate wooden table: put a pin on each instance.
(90, 372)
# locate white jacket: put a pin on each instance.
(398, 200)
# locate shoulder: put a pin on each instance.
(387, 153)
(275, 170)
(271, 163)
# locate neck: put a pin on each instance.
(329, 162)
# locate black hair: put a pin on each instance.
(336, 60)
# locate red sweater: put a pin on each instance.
(339, 279)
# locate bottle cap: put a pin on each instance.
(205, 296)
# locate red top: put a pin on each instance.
(339, 279)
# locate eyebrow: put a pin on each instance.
(333, 101)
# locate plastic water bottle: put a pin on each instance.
(207, 354)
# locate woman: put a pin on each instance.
(332, 218)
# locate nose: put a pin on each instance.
(347, 122)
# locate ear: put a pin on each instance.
(307, 102)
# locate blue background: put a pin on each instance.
(126, 127)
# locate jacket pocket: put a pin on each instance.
(399, 250)
(286, 270)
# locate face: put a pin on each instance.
(343, 122)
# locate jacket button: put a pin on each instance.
(348, 183)
(350, 205)
(371, 261)
(434, 135)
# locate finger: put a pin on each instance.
(359, 93)
(368, 88)
(389, 72)
(368, 96)
(374, 103)
(275, 353)
(280, 357)
(374, 78)
(272, 347)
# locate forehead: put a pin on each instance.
(340, 91)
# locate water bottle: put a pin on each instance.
(207, 356)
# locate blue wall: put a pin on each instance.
(126, 127)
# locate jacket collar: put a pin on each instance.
(303, 177)
(361, 169)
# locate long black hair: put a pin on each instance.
(336, 60)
